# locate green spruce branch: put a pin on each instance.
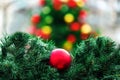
(26, 57)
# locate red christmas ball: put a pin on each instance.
(75, 26)
(32, 29)
(84, 36)
(60, 59)
(57, 4)
(41, 2)
(45, 36)
(71, 38)
(35, 19)
(82, 15)
(38, 32)
(72, 4)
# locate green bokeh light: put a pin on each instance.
(48, 19)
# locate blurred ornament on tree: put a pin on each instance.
(75, 26)
(82, 15)
(41, 2)
(35, 19)
(48, 19)
(85, 29)
(68, 45)
(84, 36)
(57, 4)
(38, 32)
(69, 18)
(46, 10)
(72, 3)
(32, 29)
(71, 38)
(42, 34)
(46, 30)
(80, 3)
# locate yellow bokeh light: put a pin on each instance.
(69, 18)
(80, 3)
(46, 30)
(67, 45)
(86, 29)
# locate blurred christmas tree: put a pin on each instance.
(26, 57)
(63, 21)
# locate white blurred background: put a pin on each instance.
(15, 15)
(104, 15)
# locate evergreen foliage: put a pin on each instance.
(96, 59)
(26, 57)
